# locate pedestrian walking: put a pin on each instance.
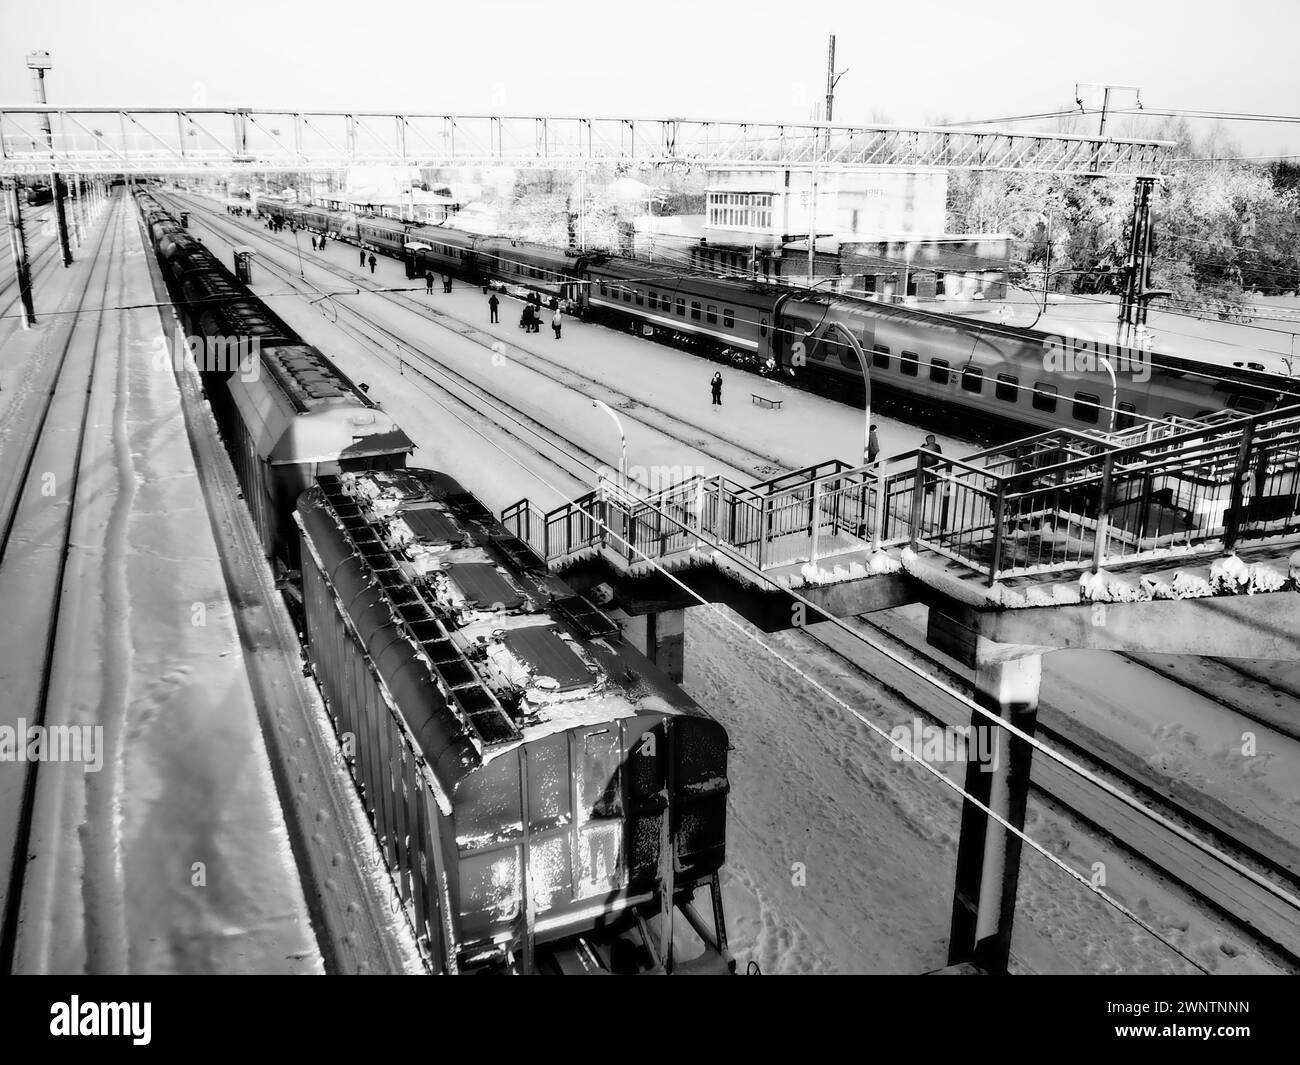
(715, 386)
(493, 304)
(927, 458)
(556, 323)
(322, 242)
(313, 242)
(373, 260)
(428, 282)
(873, 445)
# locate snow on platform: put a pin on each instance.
(173, 857)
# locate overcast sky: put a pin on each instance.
(761, 59)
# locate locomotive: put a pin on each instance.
(545, 798)
(1010, 380)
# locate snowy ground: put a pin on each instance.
(173, 858)
(812, 786)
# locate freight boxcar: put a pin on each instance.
(541, 791)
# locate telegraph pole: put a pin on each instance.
(39, 63)
(18, 249)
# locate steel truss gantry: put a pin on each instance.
(212, 139)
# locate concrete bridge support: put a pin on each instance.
(1007, 682)
(661, 636)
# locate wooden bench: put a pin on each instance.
(766, 401)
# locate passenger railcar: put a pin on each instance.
(1000, 378)
(540, 790)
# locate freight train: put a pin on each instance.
(545, 798)
(1010, 379)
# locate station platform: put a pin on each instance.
(142, 832)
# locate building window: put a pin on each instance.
(972, 379)
(1045, 397)
(1008, 389)
(880, 357)
(909, 363)
(741, 210)
(939, 371)
(1087, 408)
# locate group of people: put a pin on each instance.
(275, 223)
(428, 282)
(530, 320)
(318, 243)
(236, 209)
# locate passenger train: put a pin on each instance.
(1009, 379)
(546, 799)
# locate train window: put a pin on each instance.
(654, 299)
(681, 306)
(880, 356)
(627, 295)
(1125, 418)
(728, 318)
(762, 327)
(972, 379)
(909, 363)
(695, 310)
(939, 371)
(1008, 388)
(1045, 397)
(1086, 407)
(603, 290)
(711, 314)
(640, 298)
(666, 302)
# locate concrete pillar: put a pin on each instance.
(661, 637)
(988, 856)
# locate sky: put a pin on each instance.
(944, 60)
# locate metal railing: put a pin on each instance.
(1056, 501)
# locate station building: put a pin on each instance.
(880, 232)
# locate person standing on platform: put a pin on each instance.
(493, 304)
(873, 445)
(362, 253)
(322, 242)
(373, 260)
(428, 282)
(446, 282)
(715, 386)
(556, 322)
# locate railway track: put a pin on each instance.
(48, 454)
(1249, 907)
(1253, 909)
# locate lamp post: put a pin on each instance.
(1114, 391)
(39, 63)
(622, 444)
(866, 384)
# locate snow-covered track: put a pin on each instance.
(38, 512)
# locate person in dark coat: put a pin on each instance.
(428, 282)
(928, 458)
(446, 282)
(362, 253)
(493, 304)
(873, 445)
(322, 242)
(373, 260)
(715, 386)
(526, 318)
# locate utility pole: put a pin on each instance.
(18, 250)
(39, 63)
